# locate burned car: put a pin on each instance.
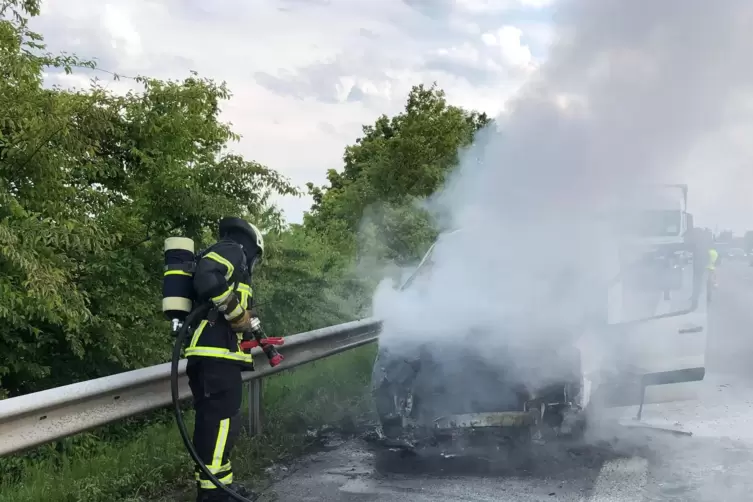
(446, 389)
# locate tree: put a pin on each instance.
(396, 162)
(303, 285)
(90, 185)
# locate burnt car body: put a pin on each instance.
(445, 388)
(652, 317)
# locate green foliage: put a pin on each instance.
(397, 162)
(91, 183)
(304, 284)
(151, 463)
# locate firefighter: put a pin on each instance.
(215, 360)
(713, 261)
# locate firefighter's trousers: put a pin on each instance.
(217, 390)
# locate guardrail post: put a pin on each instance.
(255, 412)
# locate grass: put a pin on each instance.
(154, 463)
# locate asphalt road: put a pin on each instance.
(714, 464)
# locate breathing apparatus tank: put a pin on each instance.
(177, 282)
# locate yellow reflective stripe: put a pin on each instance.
(237, 311)
(223, 296)
(219, 353)
(222, 468)
(177, 272)
(208, 485)
(222, 261)
(246, 292)
(215, 470)
(219, 447)
(196, 334)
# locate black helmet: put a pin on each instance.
(245, 234)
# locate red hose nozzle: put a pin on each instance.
(276, 359)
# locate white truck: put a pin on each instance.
(652, 336)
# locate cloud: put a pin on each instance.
(494, 56)
(305, 3)
(507, 41)
(342, 80)
(305, 73)
(500, 6)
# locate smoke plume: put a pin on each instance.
(632, 93)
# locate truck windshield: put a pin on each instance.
(654, 223)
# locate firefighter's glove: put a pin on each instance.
(250, 329)
(242, 323)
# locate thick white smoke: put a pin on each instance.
(634, 92)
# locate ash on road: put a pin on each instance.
(713, 465)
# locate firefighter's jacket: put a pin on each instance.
(220, 271)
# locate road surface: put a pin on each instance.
(715, 464)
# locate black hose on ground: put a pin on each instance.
(196, 314)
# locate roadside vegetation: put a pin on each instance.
(91, 183)
(151, 463)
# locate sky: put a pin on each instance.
(307, 74)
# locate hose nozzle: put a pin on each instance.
(267, 345)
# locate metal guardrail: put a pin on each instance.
(35, 419)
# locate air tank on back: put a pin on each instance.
(177, 282)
